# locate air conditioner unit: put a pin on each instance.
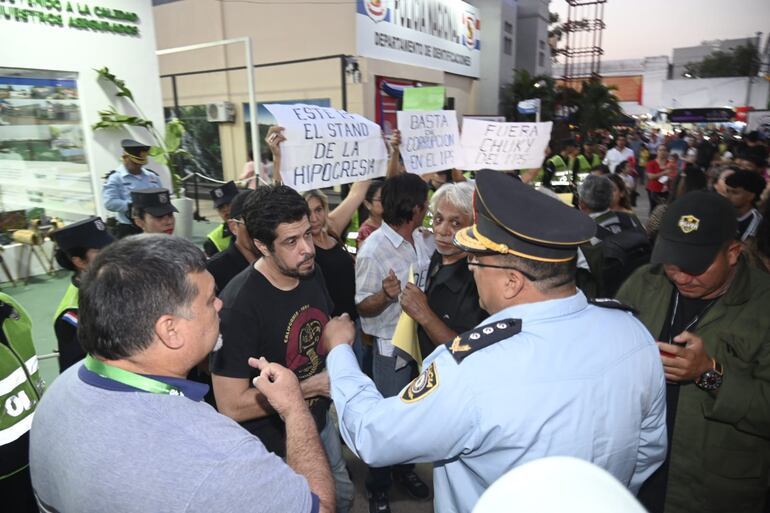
(220, 112)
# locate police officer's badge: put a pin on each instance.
(99, 225)
(688, 223)
(218, 193)
(162, 198)
(422, 385)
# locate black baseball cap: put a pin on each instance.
(750, 181)
(89, 233)
(692, 231)
(155, 201)
(236, 206)
(224, 194)
(513, 218)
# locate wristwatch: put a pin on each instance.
(712, 378)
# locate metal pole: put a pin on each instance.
(175, 95)
(344, 82)
(537, 112)
(253, 110)
(200, 46)
(344, 188)
(197, 211)
(249, 78)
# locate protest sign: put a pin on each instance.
(424, 98)
(504, 146)
(326, 147)
(430, 141)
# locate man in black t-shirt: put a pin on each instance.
(277, 309)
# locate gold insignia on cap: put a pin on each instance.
(688, 223)
(136, 159)
(471, 240)
(422, 385)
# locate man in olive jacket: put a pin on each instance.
(708, 309)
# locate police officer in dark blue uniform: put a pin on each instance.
(77, 245)
(225, 265)
(152, 211)
(221, 237)
(131, 175)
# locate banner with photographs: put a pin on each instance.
(42, 156)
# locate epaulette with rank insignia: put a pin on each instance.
(478, 338)
(614, 304)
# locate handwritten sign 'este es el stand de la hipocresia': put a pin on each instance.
(326, 147)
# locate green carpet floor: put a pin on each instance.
(41, 295)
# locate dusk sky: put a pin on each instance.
(642, 28)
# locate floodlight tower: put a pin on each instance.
(583, 41)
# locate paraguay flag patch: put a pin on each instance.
(71, 317)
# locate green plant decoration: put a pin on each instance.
(167, 150)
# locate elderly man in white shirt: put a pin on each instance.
(619, 153)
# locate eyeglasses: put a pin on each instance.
(509, 267)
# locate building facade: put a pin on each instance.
(691, 54)
(645, 86)
(356, 56)
(532, 50)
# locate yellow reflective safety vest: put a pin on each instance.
(585, 166)
(20, 385)
(68, 302)
(558, 163)
(65, 325)
(220, 238)
(562, 175)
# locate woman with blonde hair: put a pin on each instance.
(331, 256)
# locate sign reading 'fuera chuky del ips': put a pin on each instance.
(326, 147)
(504, 146)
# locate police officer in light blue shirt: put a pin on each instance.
(547, 374)
(129, 176)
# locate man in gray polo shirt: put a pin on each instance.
(126, 432)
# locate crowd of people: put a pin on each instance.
(550, 321)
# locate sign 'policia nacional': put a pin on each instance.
(74, 15)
